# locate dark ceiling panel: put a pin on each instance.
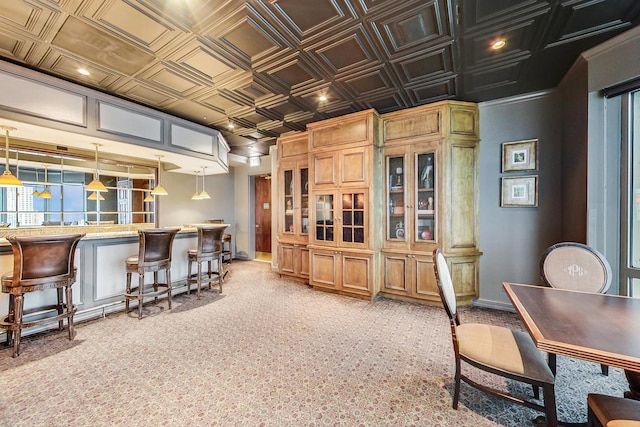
(263, 64)
(86, 41)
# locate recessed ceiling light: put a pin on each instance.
(323, 98)
(230, 126)
(84, 71)
(498, 44)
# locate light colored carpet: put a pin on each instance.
(267, 352)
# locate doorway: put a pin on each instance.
(263, 217)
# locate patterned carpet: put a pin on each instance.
(267, 352)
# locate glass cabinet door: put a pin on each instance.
(304, 200)
(324, 217)
(353, 217)
(395, 201)
(425, 197)
(288, 201)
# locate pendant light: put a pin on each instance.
(149, 197)
(7, 179)
(196, 195)
(203, 193)
(159, 190)
(35, 187)
(96, 185)
(45, 194)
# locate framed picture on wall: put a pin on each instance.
(519, 191)
(520, 156)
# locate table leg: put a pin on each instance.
(634, 385)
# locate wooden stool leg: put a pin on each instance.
(199, 278)
(220, 273)
(18, 304)
(155, 285)
(140, 286)
(127, 292)
(169, 288)
(59, 309)
(11, 319)
(189, 276)
(69, 304)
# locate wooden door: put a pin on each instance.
(263, 214)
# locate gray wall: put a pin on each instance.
(178, 209)
(513, 239)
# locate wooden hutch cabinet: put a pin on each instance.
(364, 200)
(293, 206)
(431, 184)
(345, 171)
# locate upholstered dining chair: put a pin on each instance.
(494, 349)
(612, 411)
(578, 267)
(154, 254)
(40, 263)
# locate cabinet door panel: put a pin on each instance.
(286, 259)
(356, 273)
(324, 271)
(354, 167)
(395, 273)
(324, 169)
(426, 285)
(464, 274)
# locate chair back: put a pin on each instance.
(155, 246)
(575, 266)
(210, 239)
(445, 285)
(42, 259)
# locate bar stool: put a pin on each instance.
(39, 263)
(209, 249)
(154, 254)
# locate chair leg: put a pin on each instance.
(155, 285)
(59, 309)
(140, 285)
(199, 278)
(18, 304)
(127, 291)
(605, 370)
(69, 304)
(209, 272)
(552, 363)
(189, 276)
(220, 274)
(536, 391)
(458, 379)
(169, 288)
(550, 405)
(11, 319)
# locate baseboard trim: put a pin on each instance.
(496, 305)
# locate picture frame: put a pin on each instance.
(520, 156)
(519, 191)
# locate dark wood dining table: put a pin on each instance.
(597, 327)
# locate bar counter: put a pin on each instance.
(100, 260)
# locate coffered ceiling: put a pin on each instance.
(262, 65)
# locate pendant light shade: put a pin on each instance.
(94, 196)
(7, 179)
(149, 198)
(96, 185)
(203, 193)
(159, 190)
